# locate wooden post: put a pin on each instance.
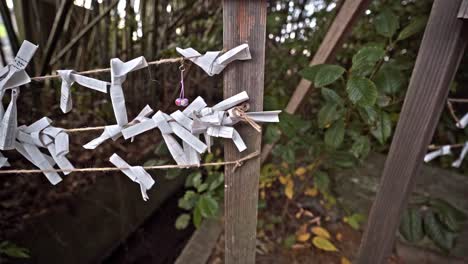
(244, 21)
(336, 34)
(440, 53)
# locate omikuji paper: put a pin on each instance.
(69, 77)
(135, 173)
(214, 62)
(445, 150)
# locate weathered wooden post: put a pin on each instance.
(440, 53)
(244, 21)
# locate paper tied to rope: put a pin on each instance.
(69, 77)
(115, 131)
(135, 173)
(198, 119)
(41, 134)
(119, 71)
(11, 77)
(463, 121)
(457, 163)
(213, 62)
(444, 150)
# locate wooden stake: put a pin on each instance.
(440, 53)
(244, 21)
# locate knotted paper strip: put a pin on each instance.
(41, 134)
(198, 119)
(119, 71)
(115, 131)
(214, 62)
(3, 161)
(445, 150)
(135, 173)
(9, 123)
(459, 161)
(463, 122)
(69, 77)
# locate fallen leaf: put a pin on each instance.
(323, 244)
(303, 237)
(321, 232)
(283, 180)
(289, 190)
(344, 260)
(311, 192)
(300, 171)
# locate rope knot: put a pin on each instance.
(239, 112)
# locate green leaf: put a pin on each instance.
(411, 226)
(416, 26)
(355, 220)
(321, 181)
(202, 187)
(272, 134)
(437, 233)
(196, 217)
(368, 114)
(451, 217)
(331, 96)
(343, 159)
(11, 250)
(182, 221)
(361, 147)
(335, 134)
(361, 91)
(289, 241)
(188, 201)
(172, 173)
(214, 180)
(383, 127)
(327, 114)
(365, 59)
(309, 73)
(389, 79)
(208, 206)
(386, 23)
(327, 74)
(191, 178)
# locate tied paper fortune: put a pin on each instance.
(214, 62)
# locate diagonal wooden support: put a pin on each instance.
(440, 53)
(336, 34)
(244, 21)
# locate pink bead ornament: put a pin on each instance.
(182, 101)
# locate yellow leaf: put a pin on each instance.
(283, 180)
(289, 190)
(323, 243)
(345, 261)
(303, 237)
(321, 232)
(311, 192)
(300, 171)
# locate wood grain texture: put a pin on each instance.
(440, 53)
(336, 34)
(244, 22)
(463, 11)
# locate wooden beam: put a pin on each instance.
(244, 21)
(338, 32)
(440, 53)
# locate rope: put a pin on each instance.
(157, 62)
(237, 164)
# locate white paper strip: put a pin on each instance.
(9, 123)
(231, 101)
(40, 160)
(460, 159)
(445, 150)
(135, 173)
(68, 78)
(213, 62)
(3, 161)
(14, 75)
(197, 105)
(463, 122)
(119, 71)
